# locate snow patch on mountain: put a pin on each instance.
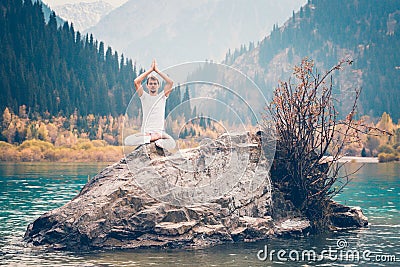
(84, 15)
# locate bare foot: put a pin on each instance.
(155, 136)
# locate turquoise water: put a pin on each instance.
(28, 190)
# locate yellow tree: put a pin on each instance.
(7, 116)
(387, 126)
(43, 133)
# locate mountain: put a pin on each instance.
(84, 15)
(368, 31)
(51, 70)
(176, 31)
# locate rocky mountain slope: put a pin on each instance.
(327, 31)
(83, 15)
(176, 31)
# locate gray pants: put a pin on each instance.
(166, 141)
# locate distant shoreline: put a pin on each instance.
(359, 159)
(42, 151)
(351, 159)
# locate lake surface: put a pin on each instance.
(28, 190)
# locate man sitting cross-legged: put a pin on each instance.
(153, 107)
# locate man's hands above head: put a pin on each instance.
(138, 81)
(154, 66)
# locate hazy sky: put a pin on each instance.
(53, 3)
(115, 3)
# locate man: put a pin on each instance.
(153, 107)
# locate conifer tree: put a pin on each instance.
(186, 108)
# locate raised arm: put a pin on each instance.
(138, 81)
(168, 80)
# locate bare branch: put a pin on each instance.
(308, 127)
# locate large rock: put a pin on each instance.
(215, 193)
(344, 218)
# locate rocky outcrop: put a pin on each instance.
(345, 218)
(218, 192)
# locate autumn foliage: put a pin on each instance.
(75, 138)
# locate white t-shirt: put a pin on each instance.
(153, 108)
